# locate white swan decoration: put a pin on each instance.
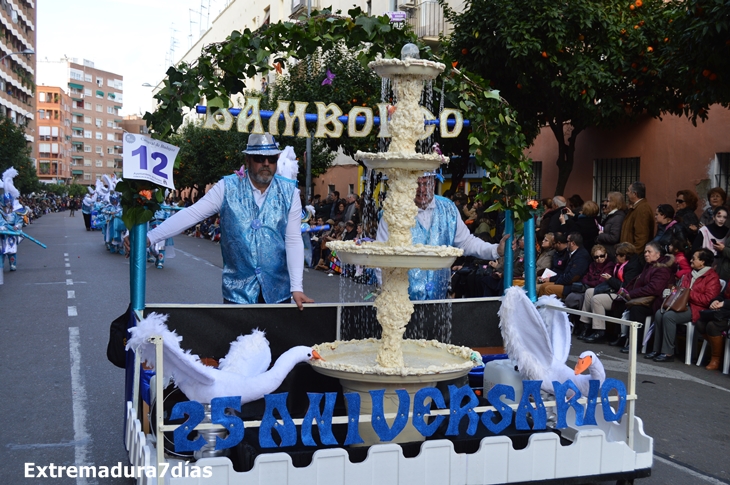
(538, 339)
(242, 372)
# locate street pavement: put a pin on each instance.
(64, 400)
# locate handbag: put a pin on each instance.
(641, 301)
(602, 287)
(578, 287)
(677, 301)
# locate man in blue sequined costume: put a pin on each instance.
(261, 242)
(439, 223)
(11, 220)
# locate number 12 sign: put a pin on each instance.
(149, 159)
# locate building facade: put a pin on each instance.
(53, 149)
(96, 124)
(18, 65)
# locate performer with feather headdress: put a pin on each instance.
(12, 220)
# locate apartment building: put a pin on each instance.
(17, 63)
(53, 145)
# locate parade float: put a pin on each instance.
(378, 408)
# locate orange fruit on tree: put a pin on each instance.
(642, 23)
(544, 54)
(706, 72)
(634, 81)
(464, 51)
(644, 69)
(650, 49)
(581, 37)
(583, 93)
(631, 7)
(666, 39)
(634, 65)
(519, 86)
(623, 31)
(713, 76)
(636, 26)
(639, 3)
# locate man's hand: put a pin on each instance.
(127, 244)
(719, 247)
(715, 305)
(300, 298)
(500, 248)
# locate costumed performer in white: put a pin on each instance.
(12, 220)
(439, 223)
(87, 204)
(260, 213)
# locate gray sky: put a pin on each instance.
(127, 37)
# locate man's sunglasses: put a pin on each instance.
(262, 158)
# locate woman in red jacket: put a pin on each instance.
(704, 286)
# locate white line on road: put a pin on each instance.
(72, 311)
(68, 272)
(70, 294)
(65, 254)
(65, 259)
(68, 265)
(689, 471)
(78, 394)
(69, 281)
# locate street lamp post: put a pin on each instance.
(27, 52)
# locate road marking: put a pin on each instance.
(197, 258)
(68, 265)
(65, 259)
(72, 311)
(68, 272)
(36, 446)
(69, 281)
(690, 471)
(78, 396)
(65, 254)
(71, 294)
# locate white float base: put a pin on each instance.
(595, 450)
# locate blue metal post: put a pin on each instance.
(509, 228)
(137, 286)
(530, 256)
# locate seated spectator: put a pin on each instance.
(600, 299)
(715, 237)
(716, 197)
(576, 267)
(664, 217)
(599, 267)
(704, 286)
(545, 258)
(648, 286)
(686, 203)
(713, 323)
(679, 248)
(610, 234)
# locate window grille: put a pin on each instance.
(722, 178)
(614, 175)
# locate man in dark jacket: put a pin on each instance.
(559, 285)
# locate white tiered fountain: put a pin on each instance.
(392, 362)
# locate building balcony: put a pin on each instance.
(427, 20)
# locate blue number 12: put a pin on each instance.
(157, 170)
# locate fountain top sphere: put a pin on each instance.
(409, 51)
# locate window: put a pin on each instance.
(87, 92)
(98, 149)
(54, 148)
(110, 110)
(41, 97)
(99, 122)
(614, 175)
(44, 133)
(87, 162)
(100, 94)
(330, 189)
(110, 164)
(109, 124)
(99, 108)
(87, 134)
(87, 78)
(44, 149)
(87, 105)
(100, 163)
(76, 74)
(537, 179)
(87, 120)
(110, 137)
(110, 150)
(87, 176)
(87, 148)
(44, 167)
(100, 81)
(99, 135)
(722, 173)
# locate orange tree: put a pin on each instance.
(567, 65)
(697, 50)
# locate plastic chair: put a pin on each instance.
(648, 329)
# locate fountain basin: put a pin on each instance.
(380, 255)
(409, 68)
(416, 162)
(426, 361)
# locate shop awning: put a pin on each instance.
(75, 86)
(100, 93)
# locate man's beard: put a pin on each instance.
(260, 178)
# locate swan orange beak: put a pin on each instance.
(315, 355)
(583, 364)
